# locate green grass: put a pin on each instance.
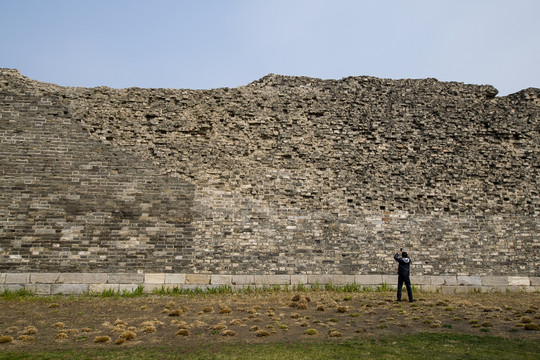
(417, 346)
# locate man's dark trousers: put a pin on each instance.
(404, 279)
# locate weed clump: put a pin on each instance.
(61, 336)
(25, 338)
(182, 332)
(30, 330)
(262, 333)
(102, 339)
(176, 312)
(311, 332)
(6, 339)
(224, 309)
(128, 335)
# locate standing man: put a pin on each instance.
(403, 274)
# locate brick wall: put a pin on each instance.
(285, 176)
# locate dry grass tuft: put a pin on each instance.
(30, 330)
(182, 332)
(58, 325)
(254, 328)
(128, 335)
(342, 309)
(119, 322)
(6, 339)
(320, 307)
(532, 326)
(303, 304)
(120, 341)
(228, 333)
(262, 333)
(208, 309)
(102, 339)
(61, 336)
(176, 312)
(235, 322)
(526, 320)
(224, 309)
(219, 327)
(87, 329)
(335, 333)
(26, 338)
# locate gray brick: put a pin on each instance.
(178, 279)
(69, 289)
(243, 280)
(44, 278)
(495, 280)
(368, 279)
(220, 279)
(17, 278)
(469, 280)
(116, 278)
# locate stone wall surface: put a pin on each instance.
(285, 176)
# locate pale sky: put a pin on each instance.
(203, 44)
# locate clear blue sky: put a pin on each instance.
(202, 44)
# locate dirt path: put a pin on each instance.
(66, 323)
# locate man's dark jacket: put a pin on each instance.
(404, 265)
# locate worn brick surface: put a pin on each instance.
(283, 176)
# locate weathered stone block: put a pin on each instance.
(519, 281)
(469, 280)
(197, 279)
(149, 288)
(39, 289)
(128, 287)
(95, 278)
(444, 280)
(535, 281)
(44, 278)
(71, 278)
(243, 280)
(69, 289)
(115, 278)
(344, 279)
(421, 279)
(100, 288)
(272, 279)
(17, 278)
(390, 279)
(299, 279)
(221, 279)
(154, 278)
(2, 278)
(178, 279)
(322, 279)
(368, 279)
(494, 280)
(13, 287)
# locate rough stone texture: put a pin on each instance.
(284, 176)
(130, 282)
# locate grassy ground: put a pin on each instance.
(324, 323)
(417, 346)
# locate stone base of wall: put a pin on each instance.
(96, 283)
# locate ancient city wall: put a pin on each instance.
(285, 180)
